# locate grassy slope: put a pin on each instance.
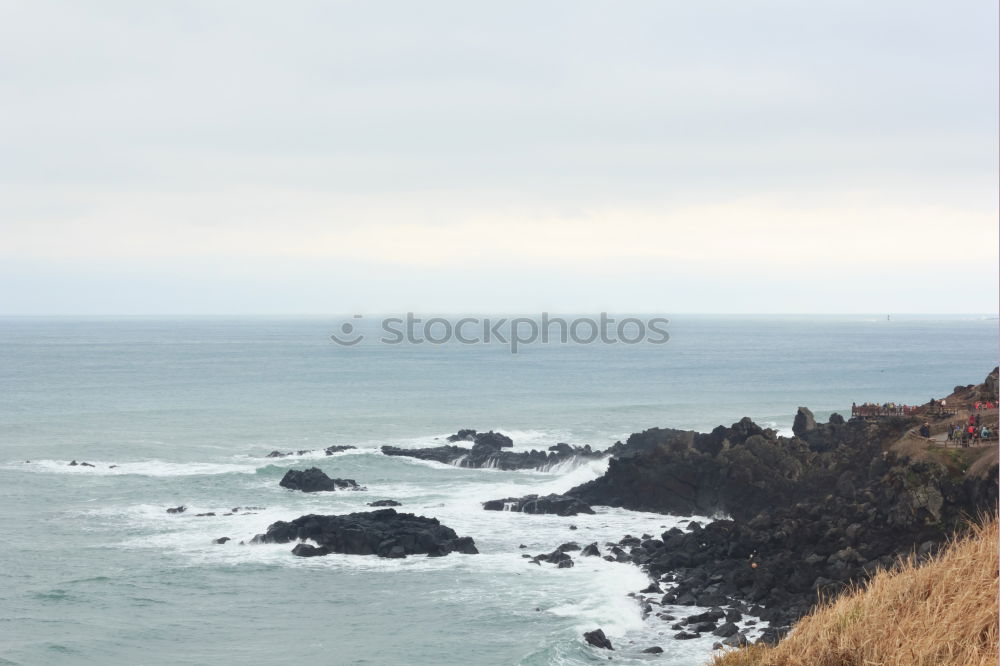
(942, 612)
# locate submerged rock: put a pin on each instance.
(177, 509)
(280, 454)
(385, 502)
(383, 532)
(314, 480)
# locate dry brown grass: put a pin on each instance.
(939, 613)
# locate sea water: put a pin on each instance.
(94, 571)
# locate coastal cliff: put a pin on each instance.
(805, 516)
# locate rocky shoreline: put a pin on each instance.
(806, 516)
(799, 517)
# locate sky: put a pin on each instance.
(332, 157)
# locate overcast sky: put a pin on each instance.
(333, 157)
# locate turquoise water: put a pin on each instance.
(94, 571)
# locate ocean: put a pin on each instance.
(94, 571)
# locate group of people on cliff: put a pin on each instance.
(965, 434)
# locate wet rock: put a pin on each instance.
(772, 635)
(726, 630)
(591, 550)
(314, 480)
(177, 509)
(598, 639)
(385, 502)
(466, 435)
(560, 505)
(489, 450)
(330, 450)
(701, 627)
(222, 540)
(383, 532)
(685, 635)
(656, 649)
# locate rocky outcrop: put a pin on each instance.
(493, 439)
(810, 514)
(804, 422)
(560, 505)
(488, 451)
(598, 639)
(740, 470)
(330, 450)
(385, 502)
(442, 454)
(285, 454)
(313, 480)
(383, 532)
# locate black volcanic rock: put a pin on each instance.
(465, 435)
(561, 505)
(385, 502)
(804, 422)
(598, 639)
(488, 450)
(383, 532)
(492, 439)
(285, 454)
(739, 470)
(314, 480)
(441, 454)
(811, 514)
(330, 450)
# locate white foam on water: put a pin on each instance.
(311, 454)
(593, 593)
(141, 467)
